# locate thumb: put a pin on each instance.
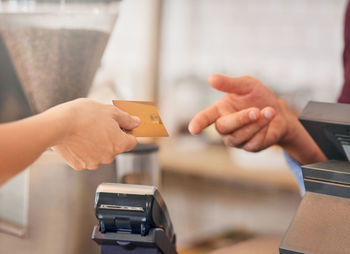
(240, 85)
(125, 120)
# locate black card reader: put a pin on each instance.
(132, 217)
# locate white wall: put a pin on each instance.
(293, 46)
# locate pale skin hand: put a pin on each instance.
(84, 132)
(251, 117)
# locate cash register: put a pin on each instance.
(322, 222)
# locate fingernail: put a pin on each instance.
(192, 130)
(268, 114)
(189, 127)
(137, 120)
(252, 115)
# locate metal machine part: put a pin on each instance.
(331, 178)
(329, 126)
(322, 222)
(132, 217)
(139, 166)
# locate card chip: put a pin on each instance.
(156, 119)
(151, 123)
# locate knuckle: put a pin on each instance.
(220, 126)
(107, 160)
(248, 77)
(236, 139)
(240, 120)
(261, 124)
(112, 107)
(116, 114)
(232, 141)
(205, 119)
(92, 166)
(77, 167)
(134, 143)
(249, 132)
(125, 144)
(115, 110)
(227, 142)
(131, 145)
(252, 147)
(282, 102)
(250, 80)
(118, 148)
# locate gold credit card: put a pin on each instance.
(151, 124)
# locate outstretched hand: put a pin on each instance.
(249, 116)
(95, 135)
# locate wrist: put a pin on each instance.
(296, 141)
(58, 120)
(292, 124)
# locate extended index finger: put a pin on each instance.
(203, 119)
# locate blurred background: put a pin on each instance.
(164, 51)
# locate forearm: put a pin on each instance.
(22, 142)
(297, 142)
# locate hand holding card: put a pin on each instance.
(151, 123)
